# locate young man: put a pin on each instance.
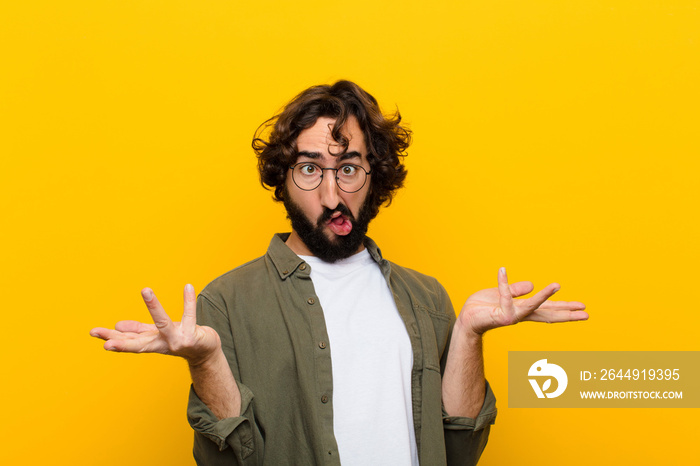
(322, 351)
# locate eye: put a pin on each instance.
(308, 169)
(348, 170)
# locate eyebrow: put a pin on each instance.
(317, 155)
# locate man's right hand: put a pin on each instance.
(186, 339)
(199, 345)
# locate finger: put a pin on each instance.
(160, 317)
(189, 316)
(521, 288)
(551, 316)
(505, 298)
(133, 326)
(563, 305)
(104, 333)
(142, 344)
(527, 306)
(109, 334)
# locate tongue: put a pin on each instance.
(340, 225)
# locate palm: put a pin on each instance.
(186, 339)
(496, 307)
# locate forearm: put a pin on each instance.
(215, 386)
(463, 382)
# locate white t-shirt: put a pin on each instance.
(371, 357)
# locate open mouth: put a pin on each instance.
(339, 224)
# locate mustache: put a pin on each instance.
(328, 213)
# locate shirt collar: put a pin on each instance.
(287, 263)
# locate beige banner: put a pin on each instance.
(604, 379)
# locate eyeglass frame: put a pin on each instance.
(320, 180)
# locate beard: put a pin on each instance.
(315, 238)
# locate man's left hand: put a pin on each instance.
(495, 307)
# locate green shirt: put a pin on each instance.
(274, 336)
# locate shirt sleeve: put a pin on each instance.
(466, 438)
(230, 441)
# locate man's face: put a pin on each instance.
(328, 222)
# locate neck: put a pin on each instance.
(297, 246)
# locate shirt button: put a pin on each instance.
(322, 344)
(311, 300)
(324, 399)
(302, 267)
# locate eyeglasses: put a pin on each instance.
(349, 177)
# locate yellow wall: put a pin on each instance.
(556, 138)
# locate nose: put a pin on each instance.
(329, 191)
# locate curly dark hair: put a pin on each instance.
(386, 139)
